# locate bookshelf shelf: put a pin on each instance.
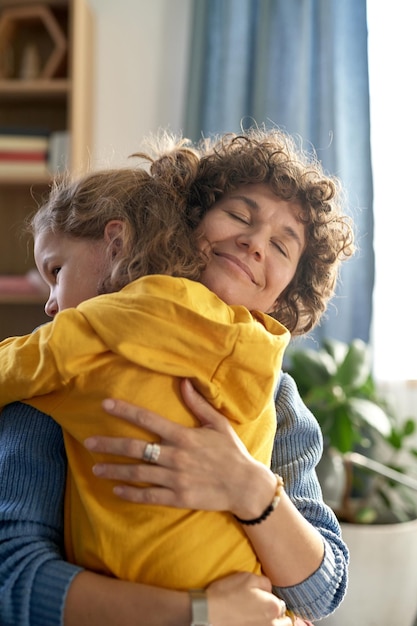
(19, 180)
(54, 103)
(35, 89)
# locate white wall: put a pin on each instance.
(141, 51)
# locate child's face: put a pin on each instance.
(254, 242)
(71, 267)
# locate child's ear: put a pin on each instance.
(113, 235)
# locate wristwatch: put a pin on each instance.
(199, 608)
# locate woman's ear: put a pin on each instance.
(113, 235)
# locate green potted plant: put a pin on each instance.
(369, 477)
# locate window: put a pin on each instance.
(393, 98)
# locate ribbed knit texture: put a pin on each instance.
(297, 449)
(34, 578)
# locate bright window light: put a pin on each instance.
(392, 58)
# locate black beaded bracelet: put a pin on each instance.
(271, 507)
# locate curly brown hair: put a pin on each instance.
(202, 175)
(273, 158)
(162, 206)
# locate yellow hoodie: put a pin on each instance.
(136, 345)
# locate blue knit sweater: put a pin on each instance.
(34, 577)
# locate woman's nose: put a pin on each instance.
(254, 242)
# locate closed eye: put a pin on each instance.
(239, 217)
(280, 248)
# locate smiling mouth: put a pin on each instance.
(236, 262)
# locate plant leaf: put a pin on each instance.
(409, 427)
(364, 410)
(311, 368)
(356, 368)
(339, 430)
(336, 349)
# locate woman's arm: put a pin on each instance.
(208, 468)
(297, 450)
(38, 588)
(33, 575)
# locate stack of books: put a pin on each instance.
(23, 152)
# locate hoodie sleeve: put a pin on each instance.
(48, 358)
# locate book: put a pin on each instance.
(59, 152)
(33, 131)
(22, 155)
(23, 168)
(23, 138)
(23, 142)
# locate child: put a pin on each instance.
(264, 261)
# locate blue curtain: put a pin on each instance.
(301, 65)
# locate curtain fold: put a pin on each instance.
(301, 65)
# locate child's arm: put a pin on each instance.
(46, 359)
(27, 366)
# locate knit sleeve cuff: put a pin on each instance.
(314, 598)
(49, 592)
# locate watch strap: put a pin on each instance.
(199, 608)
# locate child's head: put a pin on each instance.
(77, 231)
(96, 234)
(72, 267)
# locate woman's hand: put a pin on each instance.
(244, 599)
(208, 468)
(205, 468)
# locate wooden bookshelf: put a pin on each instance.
(34, 89)
(61, 101)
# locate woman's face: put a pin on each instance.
(71, 267)
(254, 242)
